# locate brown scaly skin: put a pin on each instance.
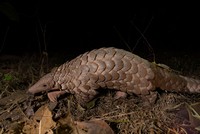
(111, 68)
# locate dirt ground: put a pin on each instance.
(173, 113)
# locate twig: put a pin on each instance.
(39, 44)
(4, 39)
(142, 35)
(22, 111)
(1, 132)
(147, 27)
(44, 54)
(119, 115)
(120, 36)
(40, 127)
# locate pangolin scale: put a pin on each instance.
(111, 68)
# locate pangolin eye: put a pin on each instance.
(44, 85)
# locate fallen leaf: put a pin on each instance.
(41, 123)
(194, 114)
(94, 126)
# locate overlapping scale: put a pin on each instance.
(117, 69)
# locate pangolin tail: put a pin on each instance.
(168, 79)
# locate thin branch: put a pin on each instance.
(123, 40)
(4, 39)
(142, 35)
(147, 27)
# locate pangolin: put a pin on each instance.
(111, 68)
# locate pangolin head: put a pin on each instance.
(44, 84)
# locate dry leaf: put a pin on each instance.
(42, 122)
(194, 114)
(92, 127)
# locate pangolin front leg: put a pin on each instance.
(54, 95)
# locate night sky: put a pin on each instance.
(36, 26)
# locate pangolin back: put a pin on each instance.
(106, 68)
(118, 69)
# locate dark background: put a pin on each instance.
(37, 26)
